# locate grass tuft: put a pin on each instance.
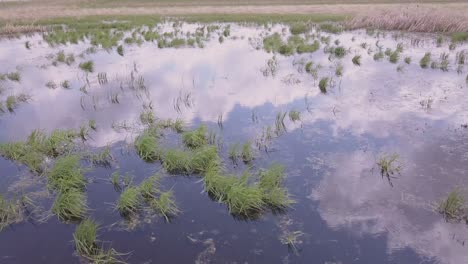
(165, 205)
(129, 201)
(147, 146)
(14, 76)
(195, 138)
(86, 244)
(294, 115)
(425, 61)
(70, 205)
(298, 28)
(357, 60)
(87, 66)
(452, 207)
(323, 84)
(247, 152)
(193, 161)
(120, 50)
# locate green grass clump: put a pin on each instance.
(165, 205)
(243, 199)
(379, 55)
(59, 142)
(92, 124)
(147, 117)
(298, 28)
(129, 201)
(233, 152)
(331, 28)
(286, 50)
(70, 205)
(87, 66)
(357, 60)
(339, 70)
(394, 56)
(115, 180)
(203, 158)
(425, 61)
(216, 184)
(272, 43)
(176, 43)
(294, 115)
(408, 60)
(270, 184)
(193, 161)
(61, 56)
(149, 187)
(22, 153)
(389, 165)
(339, 52)
(195, 138)
(66, 174)
(11, 103)
(103, 157)
(323, 84)
(10, 212)
(51, 85)
(86, 244)
(146, 145)
(452, 207)
(459, 36)
(65, 84)
(177, 161)
(32, 152)
(85, 237)
(247, 199)
(247, 152)
(14, 76)
(308, 48)
(120, 50)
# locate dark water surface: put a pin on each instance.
(346, 210)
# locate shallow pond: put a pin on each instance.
(345, 211)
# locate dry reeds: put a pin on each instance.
(11, 29)
(417, 20)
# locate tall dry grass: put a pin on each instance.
(11, 29)
(416, 20)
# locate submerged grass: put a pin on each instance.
(247, 152)
(10, 212)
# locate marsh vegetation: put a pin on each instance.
(158, 140)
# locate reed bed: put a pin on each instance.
(416, 20)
